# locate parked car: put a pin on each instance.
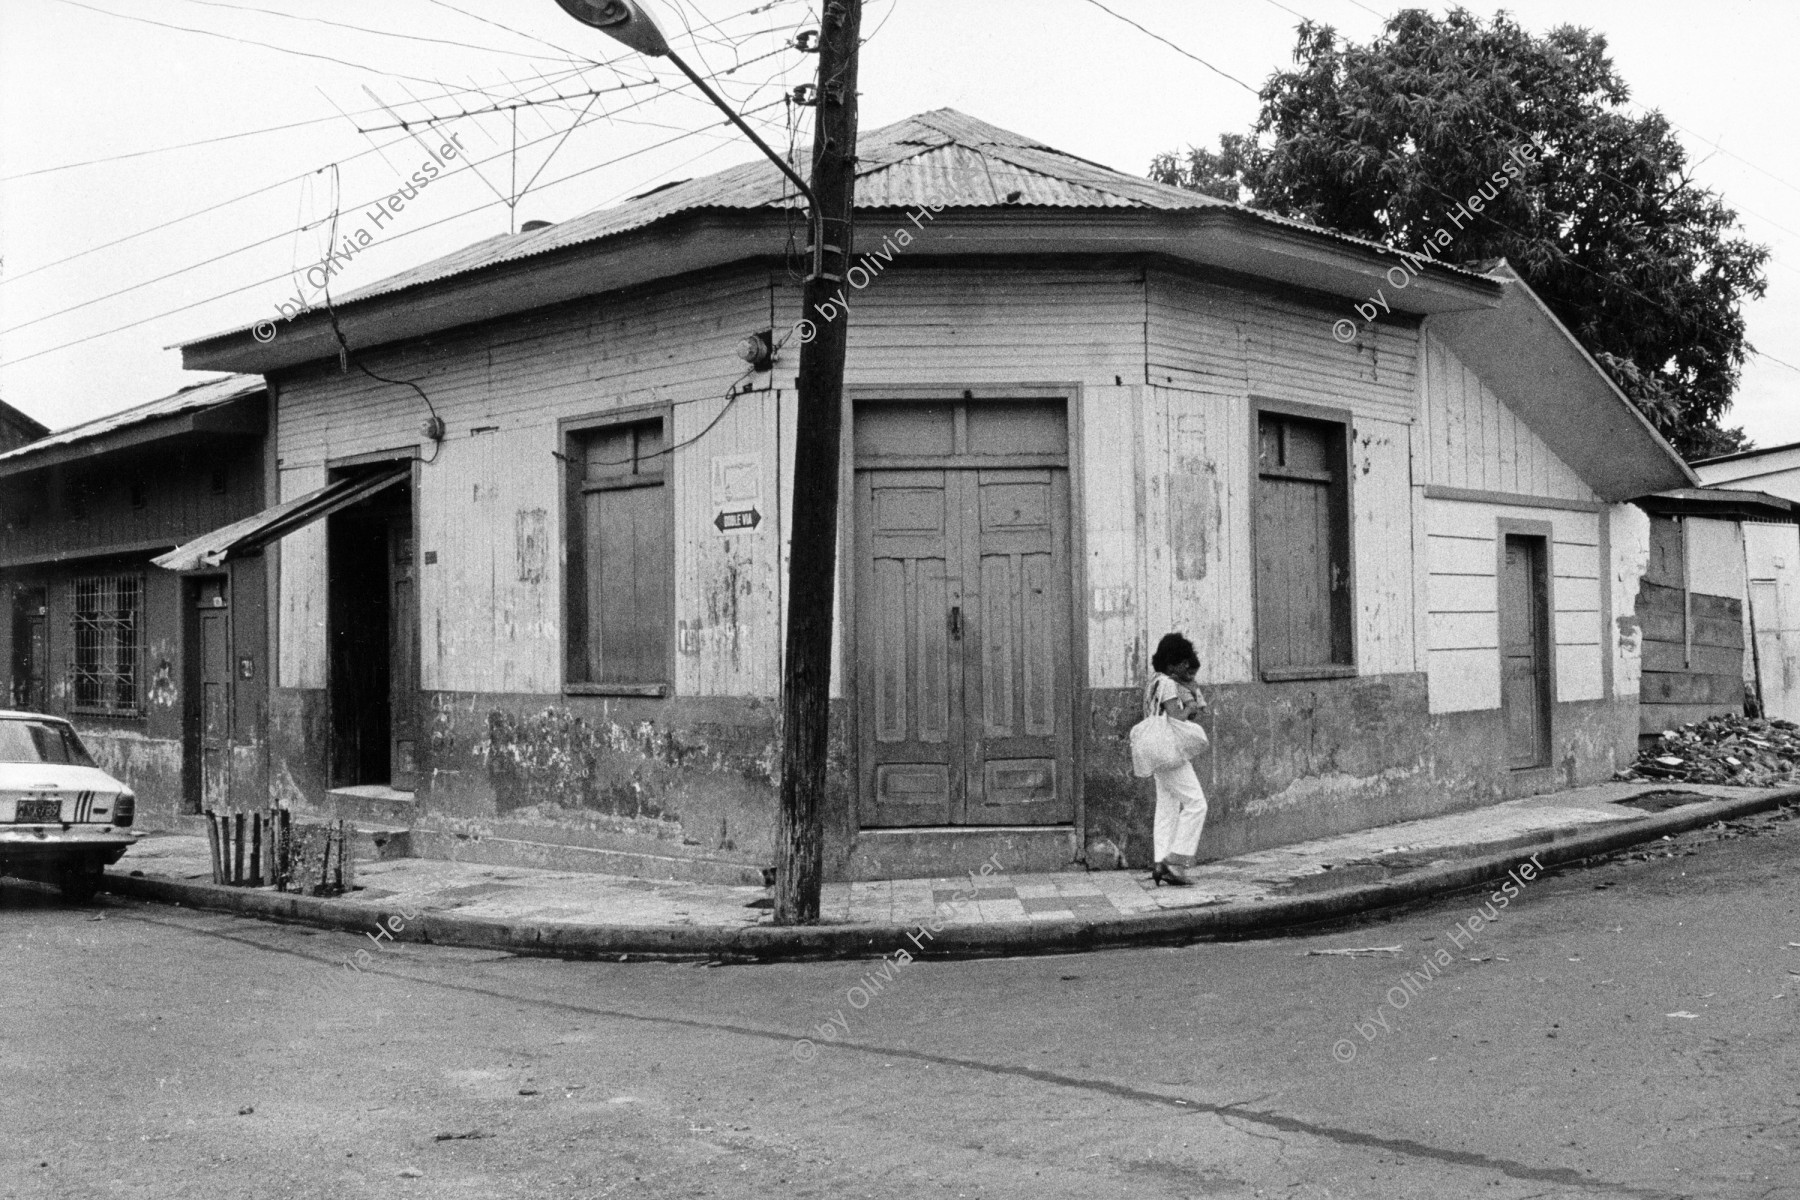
(62, 819)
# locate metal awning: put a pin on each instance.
(272, 524)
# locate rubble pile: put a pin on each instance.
(1746, 751)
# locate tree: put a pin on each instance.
(1385, 140)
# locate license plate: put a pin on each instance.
(38, 812)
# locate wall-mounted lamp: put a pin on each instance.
(758, 349)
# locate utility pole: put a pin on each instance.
(812, 565)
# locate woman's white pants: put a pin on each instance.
(1180, 815)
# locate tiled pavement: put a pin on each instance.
(525, 895)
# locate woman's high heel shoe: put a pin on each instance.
(1163, 873)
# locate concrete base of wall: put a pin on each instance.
(929, 853)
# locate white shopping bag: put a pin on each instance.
(1161, 742)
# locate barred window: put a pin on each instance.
(108, 618)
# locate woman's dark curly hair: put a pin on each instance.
(1173, 651)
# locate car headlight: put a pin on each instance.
(125, 808)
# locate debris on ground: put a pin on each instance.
(1730, 749)
(1353, 951)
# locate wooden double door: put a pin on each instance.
(964, 649)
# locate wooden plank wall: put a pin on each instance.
(1463, 590)
(1691, 607)
(1209, 349)
(1474, 441)
(1470, 440)
(491, 506)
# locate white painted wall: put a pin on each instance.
(1772, 561)
(1628, 528)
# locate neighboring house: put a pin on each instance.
(16, 428)
(1705, 651)
(1771, 555)
(164, 674)
(1083, 409)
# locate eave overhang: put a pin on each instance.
(245, 416)
(692, 241)
(1545, 376)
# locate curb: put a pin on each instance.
(768, 943)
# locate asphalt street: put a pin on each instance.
(1624, 1028)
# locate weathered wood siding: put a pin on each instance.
(1691, 606)
(1463, 596)
(1472, 442)
(1169, 526)
(490, 505)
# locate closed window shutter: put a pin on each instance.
(627, 593)
(1303, 610)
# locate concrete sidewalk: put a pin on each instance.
(576, 914)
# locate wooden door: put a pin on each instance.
(1525, 652)
(403, 654)
(965, 647)
(206, 715)
(1016, 676)
(31, 650)
(911, 662)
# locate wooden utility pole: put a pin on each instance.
(812, 566)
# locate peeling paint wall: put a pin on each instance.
(1629, 529)
(1293, 762)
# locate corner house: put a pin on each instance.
(1083, 409)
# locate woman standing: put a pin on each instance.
(1180, 804)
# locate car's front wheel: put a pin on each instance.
(78, 881)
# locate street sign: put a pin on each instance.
(743, 518)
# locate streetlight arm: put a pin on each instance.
(697, 81)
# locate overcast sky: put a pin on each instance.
(84, 83)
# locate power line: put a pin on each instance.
(1159, 37)
(249, 42)
(197, 212)
(396, 237)
(431, 119)
(111, 158)
(1784, 362)
(1722, 150)
(409, 37)
(261, 241)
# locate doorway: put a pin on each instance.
(30, 649)
(1525, 649)
(206, 711)
(373, 621)
(964, 672)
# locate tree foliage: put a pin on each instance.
(1385, 140)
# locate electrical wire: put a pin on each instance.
(561, 135)
(409, 37)
(1159, 37)
(395, 237)
(206, 262)
(112, 158)
(248, 42)
(346, 358)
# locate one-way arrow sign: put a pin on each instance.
(743, 518)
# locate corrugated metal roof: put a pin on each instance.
(943, 158)
(188, 399)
